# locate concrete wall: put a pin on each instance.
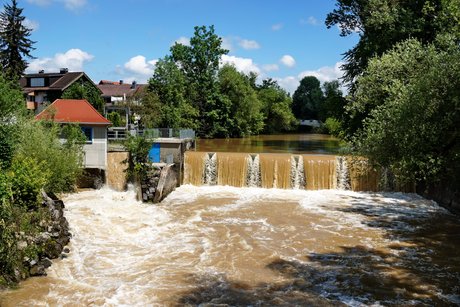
(96, 152)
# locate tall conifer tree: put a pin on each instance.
(15, 44)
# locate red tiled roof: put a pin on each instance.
(73, 111)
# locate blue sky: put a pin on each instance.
(122, 40)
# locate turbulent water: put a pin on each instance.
(252, 247)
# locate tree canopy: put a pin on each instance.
(190, 88)
(383, 23)
(307, 98)
(85, 90)
(15, 44)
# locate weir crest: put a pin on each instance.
(283, 171)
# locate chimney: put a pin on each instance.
(133, 85)
(63, 70)
(121, 82)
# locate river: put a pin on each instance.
(252, 247)
(277, 143)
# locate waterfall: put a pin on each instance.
(253, 175)
(320, 172)
(210, 169)
(297, 173)
(231, 169)
(285, 171)
(343, 175)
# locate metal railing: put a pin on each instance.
(116, 133)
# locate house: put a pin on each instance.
(42, 88)
(119, 97)
(118, 92)
(92, 123)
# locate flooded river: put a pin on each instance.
(217, 245)
(277, 143)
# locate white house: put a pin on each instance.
(92, 123)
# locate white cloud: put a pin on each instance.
(73, 59)
(72, 5)
(40, 2)
(248, 44)
(310, 21)
(325, 73)
(227, 43)
(290, 83)
(271, 67)
(31, 24)
(244, 65)
(183, 40)
(277, 27)
(287, 60)
(139, 65)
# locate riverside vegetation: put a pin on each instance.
(31, 224)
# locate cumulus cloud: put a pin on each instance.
(270, 67)
(310, 21)
(248, 44)
(139, 65)
(31, 24)
(183, 40)
(325, 73)
(287, 60)
(73, 59)
(72, 5)
(277, 26)
(244, 65)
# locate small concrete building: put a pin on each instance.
(92, 123)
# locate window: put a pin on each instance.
(88, 132)
(37, 82)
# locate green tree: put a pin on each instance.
(383, 23)
(169, 86)
(334, 103)
(11, 109)
(200, 64)
(85, 90)
(409, 99)
(276, 106)
(15, 44)
(245, 116)
(307, 98)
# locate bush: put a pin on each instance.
(39, 140)
(334, 127)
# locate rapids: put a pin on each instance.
(215, 245)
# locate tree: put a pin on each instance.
(307, 98)
(334, 103)
(200, 64)
(383, 23)
(11, 108)
(85, 90)
(14, 42)
(409, 99)
(245, 116)
(276, 107)
(169, 85)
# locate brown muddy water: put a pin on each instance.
(219, 246)
(278, 143)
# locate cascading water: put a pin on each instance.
(297, 173)
(253, 176)
(343, 175)
(210, 169)
(226, 246)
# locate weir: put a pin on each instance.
(282, 171)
